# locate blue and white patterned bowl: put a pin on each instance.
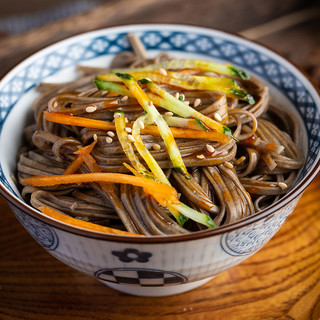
(155, 266)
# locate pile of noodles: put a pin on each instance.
(237, 180)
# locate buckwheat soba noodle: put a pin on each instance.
(157, 146)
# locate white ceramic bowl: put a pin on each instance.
(155, 266)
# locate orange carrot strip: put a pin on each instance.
(82, 153)
(78, 121)
(152, 130)
(93, 166)
(161, 192)
(83, 224)
(74, 166)
(188, 133)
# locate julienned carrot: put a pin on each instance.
(152, 130)
(189, 134)
(94, 167)
(74, 166)
(82, 153)
(83, 224)
(161, 192)
(78, 121)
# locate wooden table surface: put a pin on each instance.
(281, 281)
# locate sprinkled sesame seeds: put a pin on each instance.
(126, 120)
(128, 129)
(156, 146)
(56, 104)
(200, 156)
(110, 134)
(282, 185)
(124, 98)
(186, 102)
(95, 137)
(150, 103)
(177, 95)
(131, 138)
(169, 114)
(197, 102)
(163, 71)
(109, 140)
(116, 115)
(91, 108)
(228, 165)
(210, 148)
(217, 116)
(140, 124)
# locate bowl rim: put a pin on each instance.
(286, 199)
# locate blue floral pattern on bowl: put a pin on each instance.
(247, 240)
(41, 232)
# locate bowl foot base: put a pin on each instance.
(156, 291)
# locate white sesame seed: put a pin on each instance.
(200, 156)
(124, 98)
(210, 148)
(131, 138)
(91, 108)
(156, 146)
(197, 102)
(128, 129)
(228, 165)
(116, 115)
(150, 103)
(186, 102)
(281, 148)
(148, 79)
(95, 137)
(217, 116)
(126, 120)
(110, 134)
(177, 95)
(169, 114)
(163, 71)
(282, 185)
(140, 124)
(109, 140)
(74, 205)
(55, 104)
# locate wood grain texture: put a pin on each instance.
(281, 281)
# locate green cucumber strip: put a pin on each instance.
(195, 215)
(112, 87)
(144, 152)
(156, 117)
(178, 107)
(126, 145)
(193, 64)
(184, 123)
